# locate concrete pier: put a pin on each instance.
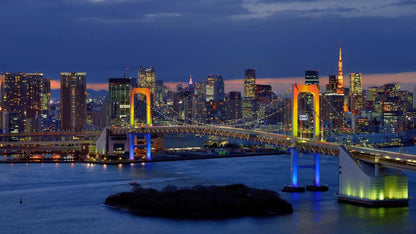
(369, 183)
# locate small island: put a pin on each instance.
(201, 202)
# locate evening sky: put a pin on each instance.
(181, 37)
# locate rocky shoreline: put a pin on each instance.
(201, 202)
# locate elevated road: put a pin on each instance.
(384, 158)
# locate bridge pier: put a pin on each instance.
(370, 184)
(294, 174)
(132, 144)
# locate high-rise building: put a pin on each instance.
(119, 90)
(414, 97)
(340, 77)
(25, 94)
(250, 83)
(356, 92)
(332, 105)
(147, 79)
(311, 77)
(356, 87)
(263, 99)
(249, 93)
(331, 87)
(214, 88)
(234, 106)
(158, 98)
(73, 101)
(46, 94)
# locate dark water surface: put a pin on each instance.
(65, 198)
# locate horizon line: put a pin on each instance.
(282, 83)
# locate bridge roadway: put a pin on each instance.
(385, 158)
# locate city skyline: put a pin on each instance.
(278, 38)
(406, 79)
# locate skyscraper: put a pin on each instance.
(331, 87)
(234, 106)
(249, 92)
(119, 90)
(25, 95)
(73, 101)
(340, 78)
(356, 92)
(250, 83)
(311, 77)
(214, 88)
(147, 78)
(356, 87)
(414, 97)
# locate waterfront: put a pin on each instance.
(69, 198)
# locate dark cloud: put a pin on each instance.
(198, 37)
(404, 3)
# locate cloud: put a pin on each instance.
(257, 9)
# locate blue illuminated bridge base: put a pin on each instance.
(294, 188)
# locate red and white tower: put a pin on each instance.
(340, 84)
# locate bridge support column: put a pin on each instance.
(149, 147)
(131, 146)
(147, 144)
(370, 184)
(294, 167)
(293, 188)
(316, 187)
(316, 169)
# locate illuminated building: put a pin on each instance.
(249, 93)
(214, 88)
(306, 99)
(191, 86)
(199, 109)
(46, 94)
(331, 87)
(263, 99)
(356, 93)
(158, 97)
(147, 79)
(13, 124)
(356, 87)
(340, 78)
(311, 77)
(119, 97)
(26, 94)
(250, 83)
(234, 106)
(73, 101)
(333, 106)
(414, 97)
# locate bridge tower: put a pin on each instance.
(314, 90)
(132, 135)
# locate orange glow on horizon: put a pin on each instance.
(56, 84)
(282, 84)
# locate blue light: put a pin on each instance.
(316, 159)
(294, 153)
(131, 152)
(149, 147)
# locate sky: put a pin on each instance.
(280, 39)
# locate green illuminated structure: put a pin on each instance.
(369, 183)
